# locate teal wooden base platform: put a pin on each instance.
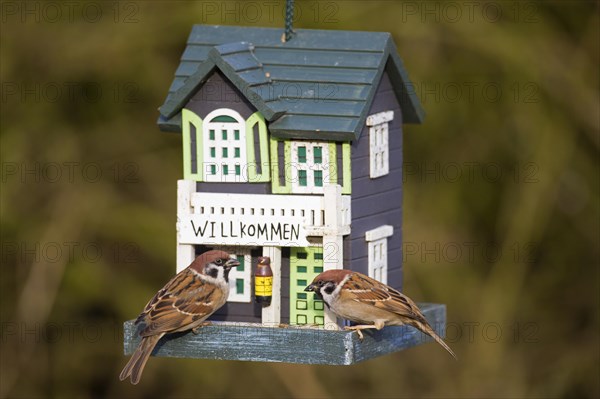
(290, 344)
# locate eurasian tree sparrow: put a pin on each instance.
(182, 304)
(361, 299)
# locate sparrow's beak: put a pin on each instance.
(231, 263)
(310, 288)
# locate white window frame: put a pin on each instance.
(234, 274)
(379, 143)
(219, 161)
(309, 166)
(378, 252)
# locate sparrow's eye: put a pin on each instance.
(219, 261)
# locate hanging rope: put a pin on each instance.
(289, 20)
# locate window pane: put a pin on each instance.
(224, 133)
(301, 295)
(213, 169)
(237, 170)
(223, 118)
(318, 178)
(318, 152)
(318, 269)
(236, 134)
(241, 259)
(224, 152)
(213, 152)
(239, 285)
(302, 154)
(301, 269)
(237, 152)
(302, 178)
(225, 169)
(301, 283)
(211, 134)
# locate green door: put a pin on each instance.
(305, 264)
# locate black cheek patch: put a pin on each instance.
(213, 272)
(329, 288)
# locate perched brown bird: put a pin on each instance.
(182, 304)
(363, 300)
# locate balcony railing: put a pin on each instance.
(310, 209)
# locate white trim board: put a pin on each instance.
(379, 233)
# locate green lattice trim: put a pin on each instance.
(305, 264)
(346, 169)
(190, 118)
(253, 175)
(276, 187)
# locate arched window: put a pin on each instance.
(224, 149)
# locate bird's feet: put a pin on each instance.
(357, 330)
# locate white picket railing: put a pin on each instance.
(310, 208)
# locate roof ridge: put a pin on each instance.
(344, 66)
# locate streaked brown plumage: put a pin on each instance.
(184, 303)
(363, 300)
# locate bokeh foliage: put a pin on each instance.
(501, 217)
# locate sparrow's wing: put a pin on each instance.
(367, 290)
(184, 301)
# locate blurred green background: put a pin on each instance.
(501, 217)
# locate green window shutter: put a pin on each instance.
(238, 170)
(236, 134)
(190, 118)
(211, 134)
(224, 152)
(302, 178)
(237, 152)
(318, 178)
(265, 174)
(239, 285)
(346, 169)
(318, 154)
(240, 258)
(302, 154)
(276, 187)
(224, 134)
(225, 169)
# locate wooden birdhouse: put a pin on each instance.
(292, 149)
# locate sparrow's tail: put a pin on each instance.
(138, 360)
(426, 328)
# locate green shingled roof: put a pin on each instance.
(318, 85)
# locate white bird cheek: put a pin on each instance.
(328, 298)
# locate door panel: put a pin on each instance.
(305, 264)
